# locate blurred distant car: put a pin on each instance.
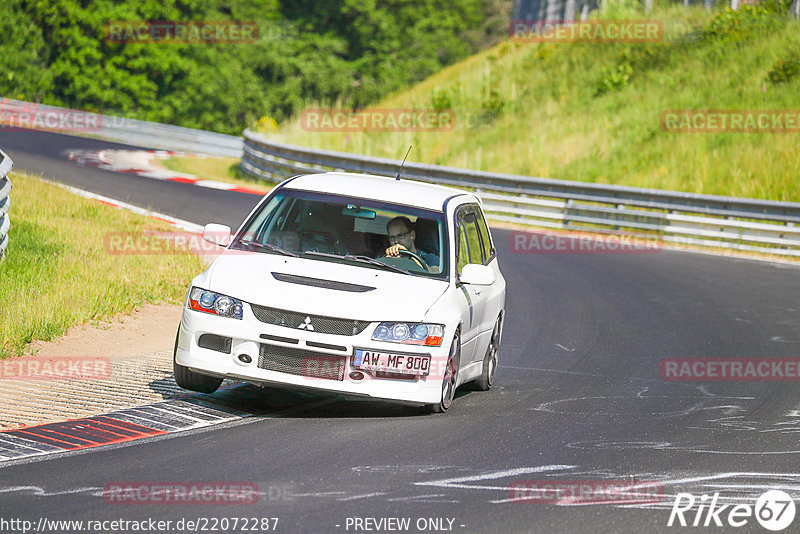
(305, 296)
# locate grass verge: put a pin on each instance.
(59, 273)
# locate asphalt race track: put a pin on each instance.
(46, 154)
(579, 398)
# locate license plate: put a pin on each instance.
(407, 364)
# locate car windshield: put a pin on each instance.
(342, 229)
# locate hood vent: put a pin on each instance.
(318, 282)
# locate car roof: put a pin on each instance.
(382, 188)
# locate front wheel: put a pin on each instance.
(188, 379)
(450, 378)
(484, 382)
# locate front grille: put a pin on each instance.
(301, 362)
(311, 323)
(215, 342)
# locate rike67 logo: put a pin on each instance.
(774, 510)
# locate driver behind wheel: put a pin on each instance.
(402, 236)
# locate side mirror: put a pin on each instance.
(219, 234)
(479, 275)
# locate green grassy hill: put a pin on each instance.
(591, 111)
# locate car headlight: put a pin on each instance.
(427, 334)
(215, 303)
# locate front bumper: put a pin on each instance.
(302, 358)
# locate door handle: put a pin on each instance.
(477, 291)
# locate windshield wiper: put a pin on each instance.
(270, 247)
(360, 259)
(323, 254)
(373, 261)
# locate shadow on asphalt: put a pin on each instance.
(293, 403)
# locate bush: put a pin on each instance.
(441, 100)
(784, 70)
(492, 106)
(747, 22)
(614, 78)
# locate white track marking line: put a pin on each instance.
(458, 482)
(365, 496)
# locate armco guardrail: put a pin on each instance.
(16, 113)
(681, 218)
(5, 201)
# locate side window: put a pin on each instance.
(470, 248)
(462, 254)
(484, 231)
(476, 254)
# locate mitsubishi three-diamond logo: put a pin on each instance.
(306, 325)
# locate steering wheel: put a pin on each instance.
(410, 258)
(416, 258)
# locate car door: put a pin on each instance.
(493, 296)
(482, 252)
(469, 249)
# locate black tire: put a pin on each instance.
(490, 360)
(449, 379)
(188, 379)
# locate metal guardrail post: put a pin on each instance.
(5, 201)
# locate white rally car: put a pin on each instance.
(307, 295)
